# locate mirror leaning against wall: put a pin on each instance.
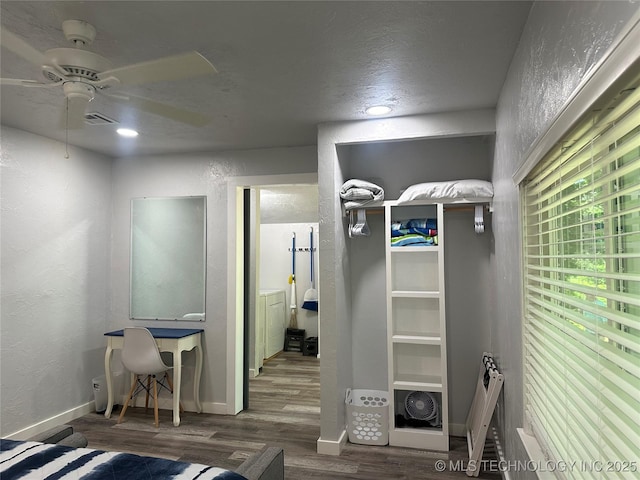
(168, 258)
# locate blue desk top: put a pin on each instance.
(162, 332)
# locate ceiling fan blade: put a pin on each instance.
(18, 46)
(73, 112)
(27, 83)
(176, 67)
(168, 111)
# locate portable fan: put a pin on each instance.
(422, 406)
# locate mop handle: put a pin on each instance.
(293, 255)
(311, 248)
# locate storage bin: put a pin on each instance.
(368, 416)
(294, 340)
(310, 347)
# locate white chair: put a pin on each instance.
(140, 355)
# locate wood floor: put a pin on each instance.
(284, 411)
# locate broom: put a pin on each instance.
(311, 295)
(293, 319)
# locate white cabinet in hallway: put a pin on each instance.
(271, 324)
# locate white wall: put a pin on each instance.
(560, 43)
(276, 265)
(289, 204)
(55, 278)
(194, 174)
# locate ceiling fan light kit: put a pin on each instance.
(83, 90)
(82, 74)
(79, 31)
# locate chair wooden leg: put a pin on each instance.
(155, 400)
(166, 375)
(126, 403)
(146, 401)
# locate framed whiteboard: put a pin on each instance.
(168, 258)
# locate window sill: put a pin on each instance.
(535, 454)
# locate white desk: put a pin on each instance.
(174, 340)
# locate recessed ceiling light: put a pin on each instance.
(127, 132)
(378, 110)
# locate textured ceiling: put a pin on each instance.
(284, 67)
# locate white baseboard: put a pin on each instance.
(332, 447)
(216, 408)
(457, 430)
(54, 421)
(189, 405)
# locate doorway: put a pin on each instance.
(282, 226)
(244, 270)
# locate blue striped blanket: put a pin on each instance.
(413, 240)
(33, 460)
(417, 232)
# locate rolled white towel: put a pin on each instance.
(356, 189)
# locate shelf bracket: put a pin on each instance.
(479, 219)
(358, 227)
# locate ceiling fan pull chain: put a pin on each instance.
(66, 128)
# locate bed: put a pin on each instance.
(37, 460)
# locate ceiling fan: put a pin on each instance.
(83, 74)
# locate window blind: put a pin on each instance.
(581, 211)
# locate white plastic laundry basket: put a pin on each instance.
(368, 416)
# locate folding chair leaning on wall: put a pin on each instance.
(488, 388)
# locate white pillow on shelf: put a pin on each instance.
(450, 190)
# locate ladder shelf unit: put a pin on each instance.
(416, 337)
